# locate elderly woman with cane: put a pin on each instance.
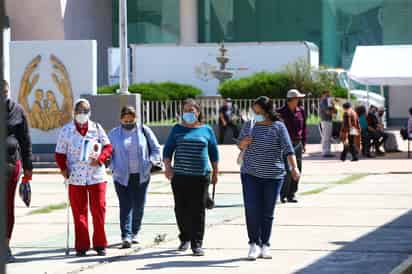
(264, 144)
(81, 151)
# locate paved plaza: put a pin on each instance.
(351, 218)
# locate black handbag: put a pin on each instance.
(156, 166)
(210, 201)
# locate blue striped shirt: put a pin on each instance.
(265, 156)
(192, 149)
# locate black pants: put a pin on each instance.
(379, 138)
(222, 131)
(366, 142)
(290, 187)
(350, 147)
(190, 194)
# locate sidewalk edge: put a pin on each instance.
(404, 268)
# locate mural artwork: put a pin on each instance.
(45, 113)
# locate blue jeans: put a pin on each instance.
(132, 199)
(260, 197)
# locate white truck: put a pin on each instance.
(194, 64)
(363, 97)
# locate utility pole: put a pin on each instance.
(124, 61)
(3, 183)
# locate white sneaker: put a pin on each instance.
(264, 253)
(254, 252)
(135, 239)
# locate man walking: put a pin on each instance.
(19, 155)
(295, 120)
(228, 119)
(326, 114)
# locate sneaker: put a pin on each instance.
(10, 257)
(135, 239)
(183, 246)
(126, 243)
(198, 251)
(80, 253)
(328, 156)
(100, 251)
(264, 253)
(292, 200)
(254, 252)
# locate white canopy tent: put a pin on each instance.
(382, 65)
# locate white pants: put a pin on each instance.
(326, 136)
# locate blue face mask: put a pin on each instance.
(189, 117)
(259, 118)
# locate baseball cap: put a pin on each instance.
(294, 93)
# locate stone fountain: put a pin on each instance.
(222, 74)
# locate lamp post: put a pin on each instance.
(124, 61)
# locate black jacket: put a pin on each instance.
(18, 129)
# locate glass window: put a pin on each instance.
(149, 21)
(335, 26)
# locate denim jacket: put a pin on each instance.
(119, 163)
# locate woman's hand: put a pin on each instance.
(95, 163)
(169, 173)
(65, 174)
(214, 178)
(295, 174)
(245, 142)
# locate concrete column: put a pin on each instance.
(329, 34)
(188, 21)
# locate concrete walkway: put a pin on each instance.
(352, 218)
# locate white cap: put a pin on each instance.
(294, 93)
(81, 100)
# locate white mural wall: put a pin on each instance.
(46, 77)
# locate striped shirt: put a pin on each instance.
(265, 156)
(192, 149)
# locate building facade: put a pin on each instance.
(335, 26)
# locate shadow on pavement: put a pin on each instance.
(122, 258)
(388, 156)
(42, 255)
(378, 252)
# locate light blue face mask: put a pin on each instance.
(259, 117)
(189, 117)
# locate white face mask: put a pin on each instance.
(82, 118)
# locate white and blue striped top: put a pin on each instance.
(265, 156)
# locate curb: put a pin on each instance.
(404, 268)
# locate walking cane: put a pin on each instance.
(66, 183)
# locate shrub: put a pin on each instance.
(157, 91)
(274, 85)
(298, 75)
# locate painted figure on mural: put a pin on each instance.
(45, 113)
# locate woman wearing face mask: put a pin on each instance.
(265, 144)
(192, 145)
(135, 147)
(81, 151)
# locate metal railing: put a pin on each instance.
(162, 113)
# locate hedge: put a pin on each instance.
(298, 75)
(157, 91)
